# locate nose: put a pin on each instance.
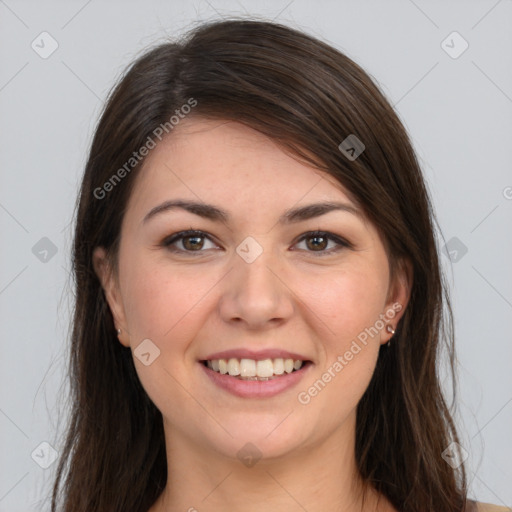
(256, 293)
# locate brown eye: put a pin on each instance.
(318, 241)
(191, 242)
(194, 242)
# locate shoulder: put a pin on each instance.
(488, 507)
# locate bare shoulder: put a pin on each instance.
(489, 507)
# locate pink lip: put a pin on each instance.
(255, 354)
(254, 388)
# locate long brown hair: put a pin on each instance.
(308, 97)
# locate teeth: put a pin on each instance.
(278, 367)
(247, 368)
(223, 366)
(250, 369)
(234, 366)
(265, 368)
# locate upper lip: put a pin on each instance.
(243, 353)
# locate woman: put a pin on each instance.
(259, 297)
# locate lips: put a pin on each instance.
(248, 364)
(255, 387)
(255, 374)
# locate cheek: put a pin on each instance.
(350, 302)
(347, 300)
(163, 302)
(350, 305)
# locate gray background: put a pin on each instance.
(458, 112)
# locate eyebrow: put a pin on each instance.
(216, 214)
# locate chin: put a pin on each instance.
(261, 437)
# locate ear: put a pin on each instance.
(398, 297)
(110, 286)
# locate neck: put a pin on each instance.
(311, 478)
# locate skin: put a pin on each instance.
(194, 303)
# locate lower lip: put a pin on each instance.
(256, 388)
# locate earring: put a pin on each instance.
(118, 332)
(391, 331)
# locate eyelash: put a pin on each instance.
(176, 237)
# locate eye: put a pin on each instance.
(191, 241)
(320, 241)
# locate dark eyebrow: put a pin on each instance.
(216, 214)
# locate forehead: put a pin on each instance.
(230, 164)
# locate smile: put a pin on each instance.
(252, 369)
(255, 378)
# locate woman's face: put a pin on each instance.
(253, 283)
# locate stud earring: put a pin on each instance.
(118, 332)
(391, 331)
